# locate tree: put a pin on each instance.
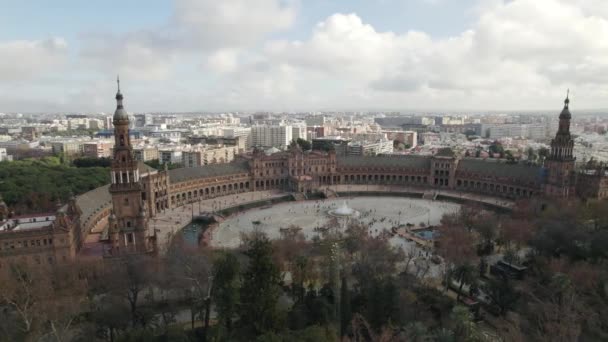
(128, 277)
(543, 153)
(457, 246)
(92, 162)
(304, 144)
(346, 314)
(24, 291)
(516, 233)
(465, 328)
(502, 293)
(261, 287)
(487, 228)
(110, 316)
(496, 148)
(531, 155)
(556, 310)
(226, 289)
(510, 157)
(37, 185)
(190, 270)
(466, 274)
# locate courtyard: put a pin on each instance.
(378, 213)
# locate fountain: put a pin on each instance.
(344, 211)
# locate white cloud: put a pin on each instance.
(231, 23)
(215, 31)
(524, 49)
(218, 55)
(25, 59)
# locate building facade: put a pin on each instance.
(138, 193)
(279, 136)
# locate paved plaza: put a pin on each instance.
(379, 213)
(171, 221)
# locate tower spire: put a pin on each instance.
(119, 96)
(567, 100)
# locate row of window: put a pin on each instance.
(491, 187)
(442, 165)
(385, 178)
(210, 191)
(27, 243)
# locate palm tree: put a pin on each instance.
(465, 273)
(465, 327)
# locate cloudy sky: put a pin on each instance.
(288, 55)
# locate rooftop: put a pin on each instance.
(414, 162)
(93, 201)
(500, 168)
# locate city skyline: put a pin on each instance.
(186, 56)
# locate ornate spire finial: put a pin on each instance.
(567, 100)
(119, 96)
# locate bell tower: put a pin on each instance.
(560, 163)
(128, 222)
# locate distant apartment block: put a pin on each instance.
(67, 147)
(529, 131)
(169, 156)
(145, 153)
(298, 132)
(98, 149)
(271, 136)
(206, 156)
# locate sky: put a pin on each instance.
(303, 55)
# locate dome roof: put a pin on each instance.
(120, 113)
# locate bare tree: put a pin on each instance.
(24, 289)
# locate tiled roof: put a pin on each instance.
(186, 173)
(145, 168)
(411, 162)
(501, 169)
(93, 201)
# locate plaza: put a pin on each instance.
(378, 213)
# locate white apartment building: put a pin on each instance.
(529, 131)
(233, 132)
(271, 136)
(298, 131)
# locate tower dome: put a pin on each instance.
(120, 114)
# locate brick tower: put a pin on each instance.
(128, 222)
(560, 163)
